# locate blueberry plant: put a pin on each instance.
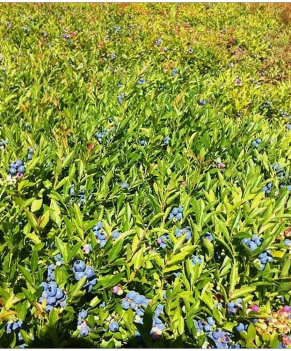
(145, 177)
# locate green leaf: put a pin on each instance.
(34, 261)
(114, 252)
(26, 274)
(241, 292)
(53, 317)
(76, 291)
(109, 282)
(36, 205)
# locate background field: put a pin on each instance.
(155, 141)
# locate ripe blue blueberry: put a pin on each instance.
(83, 314)
(89, 272)
(240, 327)
(79, 275)
(125, 304)
(84, 331)
(59, 293)
(21, 169)
(114, 326)
(131, 295)
(115, 235)
(79, 266)
(12, 170)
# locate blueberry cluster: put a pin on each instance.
(233, 307)
(30, 153)
(265, 257)
(15, 327)
(176, 213)
(54, 296)
(253, 243)
(204, 325)
(100, 234)
(256, 143)
(221, 338)
(158, 325)
(279, 171)
(16, 168)
(3, 143)
(162, 241)
(80, 270)
(267, 188)
(141, 81)
(183, 231)
(167, 140)
(136, 302)
(82, 324)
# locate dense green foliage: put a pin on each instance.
(167, 123)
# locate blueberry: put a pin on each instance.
(131, 295)
(207, 327)
(240, 327)
(79, 266)
(51, 267)
(115, 235)
(79, 275)
(253, 246)
(89, 272)
(44, 285)
(101, 236)
(59, 293)
(18, 163)
(124, 186)
(287, 242)
(139, 299)
(113, 326)
(48, 308)
(93, 282)
(83, 314)
(45, 294)
(132, 305)
(179, 216)
(51, 300)
(210, 321)
(102, 243)
(52, 290)
(125, 304)
(84, 331)
(175, 211)
(29, 157)
(12, 170)
(21, 169)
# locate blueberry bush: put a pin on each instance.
(145, 175)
